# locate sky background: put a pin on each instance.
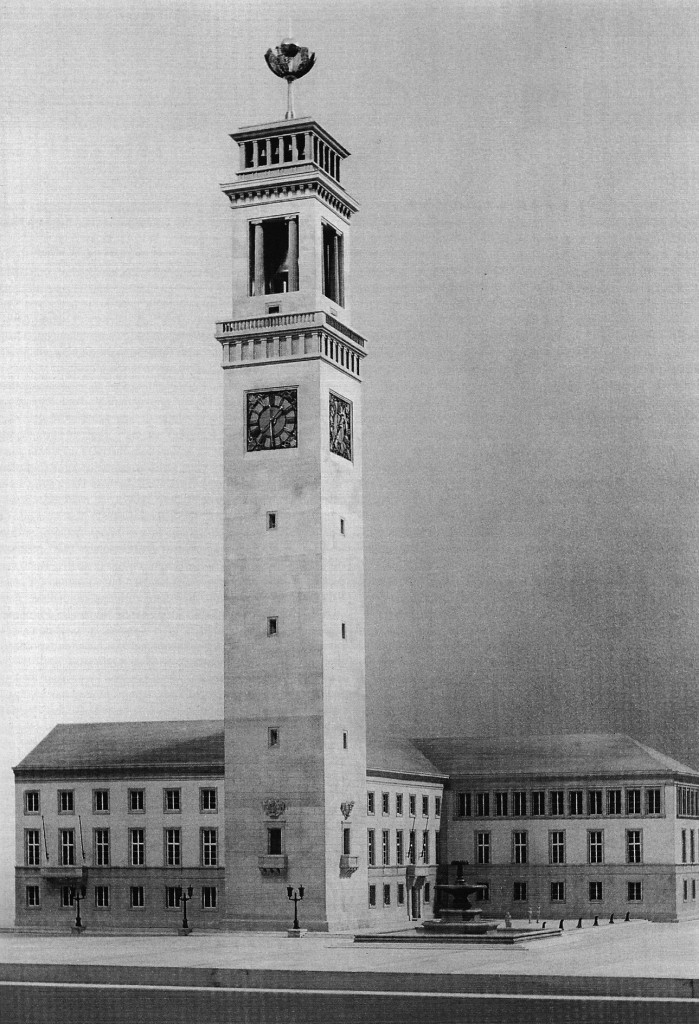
(525, 268)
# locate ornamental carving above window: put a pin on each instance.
(273, 808)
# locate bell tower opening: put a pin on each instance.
(273, 262)
(333, 283)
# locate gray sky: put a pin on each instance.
(525, 267)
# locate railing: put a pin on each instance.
(288, 320)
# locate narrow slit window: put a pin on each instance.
(344, 631)
(342, 527)
(272, 626)
(273, 736)
(271, 520)
(344, 741)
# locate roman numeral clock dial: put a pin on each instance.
(271, 420)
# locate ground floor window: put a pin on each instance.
(558, 892)
(387, 895)
(66, 896)
(400, 898)
(483, 894)
(209, 897)
(137, 896)
(427, 892)
(102, 896)
(595, 891)
(372, 895)
(694, 888)
(33, 896)
(172, 897)
(634, 892)
(520, 892)
(685, 890)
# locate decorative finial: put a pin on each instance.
(290, 61)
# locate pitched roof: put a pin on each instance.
(397, 756)
(579, 754)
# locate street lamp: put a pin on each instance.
(76, 896)
(291, 893)
(185, 897)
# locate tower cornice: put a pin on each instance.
(278, 184)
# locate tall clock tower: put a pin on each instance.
(295, 746)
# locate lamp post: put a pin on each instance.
(77, 895)
(185, 897)
(291, 893)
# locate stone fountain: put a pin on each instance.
(459, 918)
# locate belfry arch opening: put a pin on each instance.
(274, 256)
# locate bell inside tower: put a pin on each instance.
(274, 256)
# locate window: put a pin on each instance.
(32, 896)
(438, 807)
(385, 847)
(400, 894)
(209, 897)
(634, 892)
(31, 803)
(271, 520)
(594, 801)
(482, 805)
(272, 626)
(137, 847)
(692, 852)
(273, 252)
(613, 801)
(102, 897)
(483, 893)
(558, 892)
(501, 805)
(595, 892)
(483, 847)
(595, 847)
(344, 741)
(332, 265)
(274, 841)
(426, 847)
(437, 847)
(399, 805)
(208, 800)
(575, 801)
(694, 888)
(66, 896)
(370, 803)
(209, 847)
(399, 847)
(427, 893)
(463, 805)
(652, 801)
(137, 801)
(425, 807)
(100, 801)
(65, 801)
(372, 895)
(346, 841)
(385, 809)
(687, 801)
(137, 897)
(557, 847)
(519, 804)
(684, 845)
(685, 890)
(411, 847)
(387, 895)
(32, 848)
(519, 892)
(342, 527)
(66, 849)
(171, 801)
(519, 847)
(633, 846)
(538, 802)
(101, 846)
(172, 847)
(344, 631)
(633, 801)
(172, 897)
(371, 852)
(556, 802)
(412, 805)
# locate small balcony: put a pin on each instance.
(273, 864)
(348, 864)
(64, 872)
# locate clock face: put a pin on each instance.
(340, 427)
(271, 420)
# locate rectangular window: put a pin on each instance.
(66, 896)
(425, 806)
(684, 845)
(67, 846)
(399, 847)
(595, 847)
(633, 801)
(101, 847)
(482, 805)
(634, 892)
(556, 797)
(137, 897)
(344, 631)
(633, 846)
(385, 847)
(437, 847)
(32, 896)
(399, 805)
(137, 847)
(102, 897)
(372, 895)
(557, 847)
(400, 895)
(692, 852)
(273, 263)
(519, 803)
(558, 892)
(411, 847)
(595, 892)
(208, 800)
(594, 801)
(387, 895)
(519, 892)
(538, 802)
(209, 847)
(694, 888)
(31, 802)
(271, 520)
(437, 806)
(412, 805)
(501, 805)
(427, 893)
(273, 736)
(274, 842)
(575, 802)
(371, 853)
(385, 809)
(32, 847)
(370, 804)
(483, 847)
(344, 741)
(426, 847)
(652, 801)
(171, 801)
(100, 801)
(209, 897)
(685, 890)
(342, 527)
(172, 896)
(272, 625)
(172, 847)
(464, 805)
(66, 804)
(137, 801)
(333, 285)
(519, 847)
(483, 894)
(346, 841)
(613, 801)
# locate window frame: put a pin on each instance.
(483, 847)
(520, 846)
(203, 798)
(66, 796)
(167, 792)
(100, 847)
(208, 847)
(100, 796)
(634, 846)
(173, 847)
(32, 849)
(133, 797)
(595, 847)
(557, 846)
(137, 844)
(31, 793)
